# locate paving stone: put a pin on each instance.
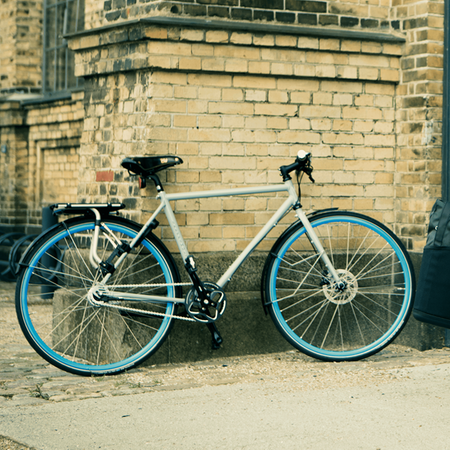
(26, 379)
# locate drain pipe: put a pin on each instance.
(445, 110)
(445, 124)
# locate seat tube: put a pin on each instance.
(174, 225)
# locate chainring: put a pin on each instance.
(208, 312)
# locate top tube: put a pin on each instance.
(228, 192)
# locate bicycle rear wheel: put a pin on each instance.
(340, 324)
(65, 328)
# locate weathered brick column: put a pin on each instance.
(21, 45)
(419, 119)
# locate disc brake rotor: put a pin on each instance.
(341, 296)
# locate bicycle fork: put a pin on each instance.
(318, 247)
(315, 241)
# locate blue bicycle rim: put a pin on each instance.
(92, 369)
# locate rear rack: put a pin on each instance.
(77, 208)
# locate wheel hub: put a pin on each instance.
(96, 294)
(343, 292)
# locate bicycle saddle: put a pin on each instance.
(149, 165)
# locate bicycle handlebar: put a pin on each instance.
(302, 164)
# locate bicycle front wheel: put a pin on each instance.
(362, 316)
(70, 331)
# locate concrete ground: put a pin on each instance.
(397, 399)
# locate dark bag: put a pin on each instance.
(432, 303)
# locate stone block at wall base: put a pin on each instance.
(420, 335)
(244, 327)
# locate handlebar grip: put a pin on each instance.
(302, 155)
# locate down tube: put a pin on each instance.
(226, 277)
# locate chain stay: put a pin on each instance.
(126, 308)
(139, 311)
(125, 286)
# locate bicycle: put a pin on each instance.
(98, 293)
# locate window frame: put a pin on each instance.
(60, 44)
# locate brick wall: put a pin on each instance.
(20, 44)
(369, 110)
(93, 14)
(54, 133)
(237, 130)
(347, 14)
(235, 106)
(13, 139)
(41, 162)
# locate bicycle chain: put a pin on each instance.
(126, 308)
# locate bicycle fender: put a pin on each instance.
(26, 256)
(280, 238)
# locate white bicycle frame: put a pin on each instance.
(165, 199)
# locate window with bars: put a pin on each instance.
(60, 17)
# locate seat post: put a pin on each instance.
(156, 181)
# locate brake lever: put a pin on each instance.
(308, 169)
(309, 172)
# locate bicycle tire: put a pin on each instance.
(334, 325)
(61, 324)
